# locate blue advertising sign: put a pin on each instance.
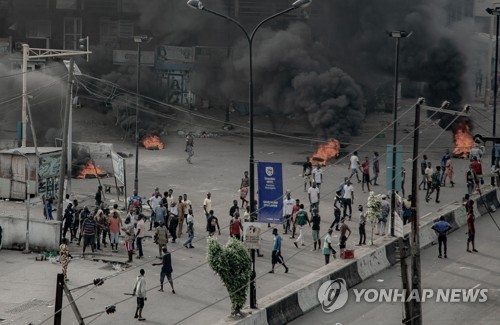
(270, 192)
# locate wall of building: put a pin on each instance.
(44, 234)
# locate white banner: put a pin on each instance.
(118, 167)
(251, 234)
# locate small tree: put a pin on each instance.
(233, 264)
(373, 211)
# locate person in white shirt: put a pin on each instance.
(348, 198)
(207, 204)
(354, 166)
(153, 203)
(318, 175)
(139, 234)
(313, 194)
(288, 204)
(140, 291)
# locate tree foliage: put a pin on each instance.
(233, 264)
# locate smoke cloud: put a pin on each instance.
(332, 68)
(46, 89)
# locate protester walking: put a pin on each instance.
(235, 226)
(362, 224)
(173, 221)
(327, 247)
(441, 228)
(354, 166)
(139, 235)
(344, 229)
(337, 205)
(161, 237)
(448, 173)
(318, 175)
(316, 221)
(435, 185)
(129, 238)
(423, 167)
(207, 204)
(212, 224)
(307, 173)
(115, 224)
(166, 269)
(140, 291)
(295, 209)
(190, 230)
(287, 212)
(189, 147)
(471, 229)
(276, 253)
(348, 198)
(365, 174)
(64, 257)
(314, 196)
(89, 228)
(245, 184)
(302, 219)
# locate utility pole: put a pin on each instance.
(70, 135)
(59, 299)
(25, 94)
(416, 307)
(64, 155)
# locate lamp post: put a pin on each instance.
(139, 40)
(397, 35)
(27, 244)
(495, 12)
(197, 4)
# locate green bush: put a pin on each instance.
(233, 264)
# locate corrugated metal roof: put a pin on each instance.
(31, 150)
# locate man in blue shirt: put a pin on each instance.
(166, 269)
(441, 228)
(276, 254)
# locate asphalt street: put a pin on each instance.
(461, 270)
(218, 167)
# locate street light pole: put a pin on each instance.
(196, 4)
(495, 12)
(138, 39)
(397, 35)
(27, 244)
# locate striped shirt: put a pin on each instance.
(89, 227)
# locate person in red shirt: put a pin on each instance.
(235, 226)
(365, 169)
(477, 168)
(471, 230)
(115, 223)
(295, 209)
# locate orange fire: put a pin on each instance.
(462, 137)
(326, 152)
(152, 142)
(92, 171)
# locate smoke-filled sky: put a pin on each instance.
(326, 68)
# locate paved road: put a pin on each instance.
(460, 270)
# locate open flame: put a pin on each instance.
(326, 152)
(152, 142)
(89, 170)
(462, 137)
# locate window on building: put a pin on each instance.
(72, 32)
(38, 29)
(111, 30)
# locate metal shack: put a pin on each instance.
(42, 173)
